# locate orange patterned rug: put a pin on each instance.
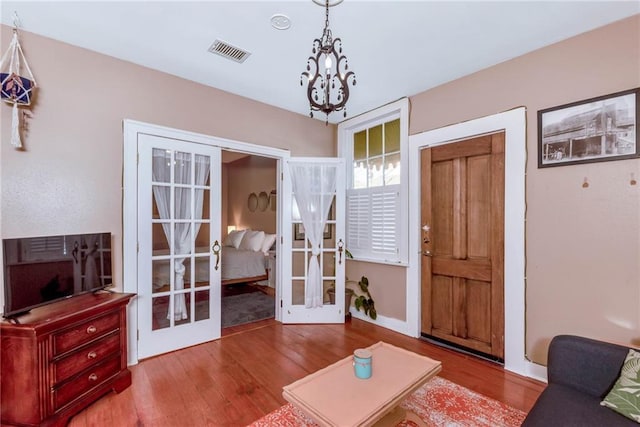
(439, 403)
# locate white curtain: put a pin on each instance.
(182, 243)
(314, 187)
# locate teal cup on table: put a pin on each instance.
(362, 361)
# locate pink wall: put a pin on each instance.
(248, 175)
(68, 179)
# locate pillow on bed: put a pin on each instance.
(252, 241)
(269, 240)
(234, 238)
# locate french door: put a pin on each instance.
(298, 250)
(178, 293)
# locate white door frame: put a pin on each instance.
(131, 129)
(513, 123)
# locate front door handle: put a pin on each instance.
(427, 253)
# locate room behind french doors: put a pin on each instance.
(178, 294)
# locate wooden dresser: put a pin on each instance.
(62, 357)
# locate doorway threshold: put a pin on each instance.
(461, 349)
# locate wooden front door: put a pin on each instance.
(462, 213)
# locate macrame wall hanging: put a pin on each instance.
(18, 83)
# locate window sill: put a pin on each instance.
(379, 261)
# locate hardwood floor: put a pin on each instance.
(239, 378)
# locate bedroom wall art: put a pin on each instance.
(252, 202)
(263, 201)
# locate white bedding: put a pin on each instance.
(235, 264)
(238, 263)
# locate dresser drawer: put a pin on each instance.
(85, 332)
(87, 356)
(85, 382)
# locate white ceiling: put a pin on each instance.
(396, 48)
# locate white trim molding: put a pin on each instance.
(396, 325)
(513, 122)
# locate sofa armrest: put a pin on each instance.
(584, 364)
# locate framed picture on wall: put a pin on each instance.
(298, 232)
(592, 130)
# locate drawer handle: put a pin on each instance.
(91, 329)
(93, 377)
(92, 355)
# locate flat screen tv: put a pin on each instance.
(41, 270)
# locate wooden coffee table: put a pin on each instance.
(334, 396)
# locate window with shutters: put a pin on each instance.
(374, 146)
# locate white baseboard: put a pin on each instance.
(396, 325)
(537, 372)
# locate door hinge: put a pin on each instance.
(138, 334)
(138, 247)
(137, 158)
(281, 176)
(280, 303)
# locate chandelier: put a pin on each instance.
(327, 74)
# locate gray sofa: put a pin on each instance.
(581, 371)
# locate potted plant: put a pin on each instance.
(348, 294)
(363, 300)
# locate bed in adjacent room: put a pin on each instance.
(244, 259)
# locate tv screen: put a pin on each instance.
(40, 270)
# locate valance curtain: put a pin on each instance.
(314, 187)
(183, 204)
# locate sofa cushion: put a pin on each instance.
(561, 406)
(624, 397)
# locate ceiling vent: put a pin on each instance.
(233, 53)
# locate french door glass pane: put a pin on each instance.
(202, 305)
(159, 239)
(205, 203)
(161, 275)
(187, 312)
(297, 295)
(160, 307)
(202, 240)
(298, 261)
(182, 203)
(161, 171)
(182, 168)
